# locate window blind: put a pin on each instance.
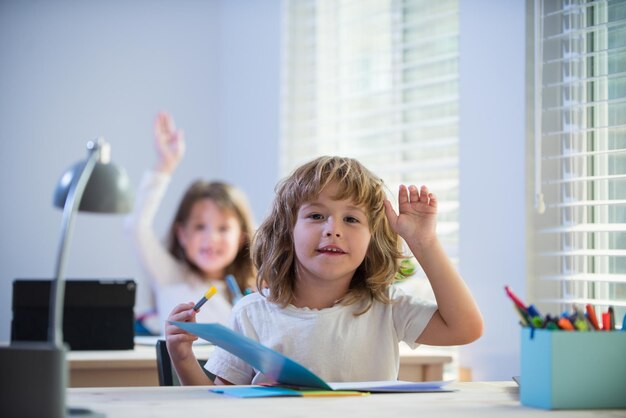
(580, 129)
(376, 80)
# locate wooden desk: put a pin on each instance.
(476, 399)
(116, 368)
(138, 367)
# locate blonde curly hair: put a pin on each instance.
(273, 246)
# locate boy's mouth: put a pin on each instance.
(331, 249)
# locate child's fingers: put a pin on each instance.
(179, 334)
(161, 123)
(432, 200)
(414, 195)
(167, 122)
(423, 194)
(180, 337)
(183, 313)
(171, 330)
(165, 129)
(181, 308)
(403, 195)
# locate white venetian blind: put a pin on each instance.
(376, 80)
(580, 131)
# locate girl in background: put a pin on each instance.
(208, 239)
(327, 257)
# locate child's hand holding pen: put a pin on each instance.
(179, 341)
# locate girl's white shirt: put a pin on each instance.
(172, 281)
(332, 343)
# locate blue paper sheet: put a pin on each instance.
(255, 391)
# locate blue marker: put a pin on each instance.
(234, 288)
(533, 312)
(624, 323)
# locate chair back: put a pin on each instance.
(166, 372)
(164, 365)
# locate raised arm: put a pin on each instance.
(158, 263)
(458, 319)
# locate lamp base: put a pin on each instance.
(33, 379)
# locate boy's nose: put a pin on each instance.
(331, 229)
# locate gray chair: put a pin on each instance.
(167, 374)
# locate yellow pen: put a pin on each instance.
(206, 297)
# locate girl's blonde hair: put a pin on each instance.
(229, 199)
(273, 248)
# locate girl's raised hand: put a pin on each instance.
(416, 220)
(170, 143)
(179, 341)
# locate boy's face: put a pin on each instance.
(331, 238)
(211, 238)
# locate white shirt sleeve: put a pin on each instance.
(410, 315)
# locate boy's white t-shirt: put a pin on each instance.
(332, 343)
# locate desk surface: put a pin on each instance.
(476, 399)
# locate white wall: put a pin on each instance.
(249, 97)
(72, 71)
(492, 202)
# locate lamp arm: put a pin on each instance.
(72, 203)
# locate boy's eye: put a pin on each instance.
(224, 228)
(351, 219)
(199, 227)
(316, 216)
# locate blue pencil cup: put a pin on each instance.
(573, 370)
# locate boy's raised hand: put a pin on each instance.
(170, 143)
(416, 220)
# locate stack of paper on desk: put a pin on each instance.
(286, 371)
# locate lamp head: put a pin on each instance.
(108, 188)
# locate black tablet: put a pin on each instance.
(97, 315)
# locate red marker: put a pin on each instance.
(606, 321)
(518, 302)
